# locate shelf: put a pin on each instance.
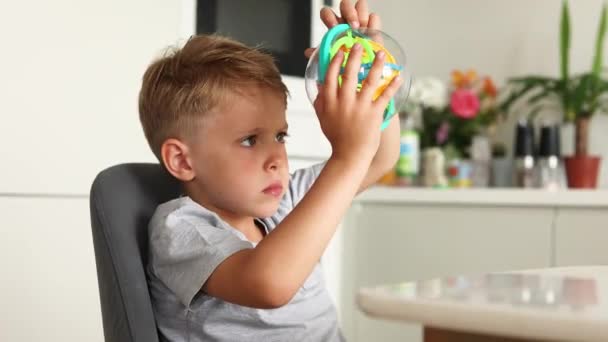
(486, 197)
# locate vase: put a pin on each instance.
(582, 171)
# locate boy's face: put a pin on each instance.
(239, 156)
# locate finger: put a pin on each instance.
(308, 52)
(319, 103)
(349, 13)
(389, 92)
(331, 77)
(362, 12)
(373, 78)
(329, 18)
(350, 77)
(374, 22)
(374, 28)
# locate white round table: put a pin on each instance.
(554, 304)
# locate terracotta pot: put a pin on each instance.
(582, 171)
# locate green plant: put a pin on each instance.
(579, 96)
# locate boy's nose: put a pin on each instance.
(275, 161)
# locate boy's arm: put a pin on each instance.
(269, 275)
(387, 155)
(388, 151)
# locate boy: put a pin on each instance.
(236, 258)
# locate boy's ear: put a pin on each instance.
(176, 157)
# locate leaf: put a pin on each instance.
(531, 79)
(565, 52)
(534, 112)
(565, 39)
(599, 45)
(598, 60)
(514, 95)
(542, 95)
(526, 86)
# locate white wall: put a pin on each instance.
(499, 38)
(70, 76)
(71, 73)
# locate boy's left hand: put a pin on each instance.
(355, 15)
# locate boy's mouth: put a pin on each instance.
(275, 189)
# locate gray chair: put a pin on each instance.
(122, 200)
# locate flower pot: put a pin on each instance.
(582, 171)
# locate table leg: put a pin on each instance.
(443, 335)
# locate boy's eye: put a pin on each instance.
(282, 136)
(249, 141)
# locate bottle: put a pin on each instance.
(433, 168)
(481, 155)
(549, 168)
(408, 165)
(524, 175)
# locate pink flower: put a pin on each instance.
(464, 103)
(443, 133)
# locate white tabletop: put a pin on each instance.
(554, 304)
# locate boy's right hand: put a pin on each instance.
(351, 119)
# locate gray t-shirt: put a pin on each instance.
(187, 242)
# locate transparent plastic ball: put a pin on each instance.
(343, 37)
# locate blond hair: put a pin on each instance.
(179, 88)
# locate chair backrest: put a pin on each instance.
(122, 200)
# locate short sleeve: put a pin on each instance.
(301, 181)
(186, 247)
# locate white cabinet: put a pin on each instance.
(49, 284)
(413, 242)
(397, 235)
(581, 237)
(394, 243)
